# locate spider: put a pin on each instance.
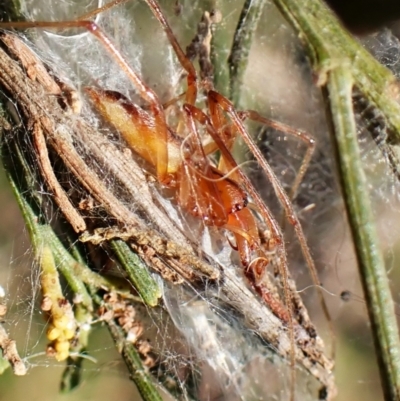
(216, 193)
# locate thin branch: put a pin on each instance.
(341, 63)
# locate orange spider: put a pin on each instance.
(215, 194)
(212, 194)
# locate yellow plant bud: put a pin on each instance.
(61, 322)
(53, 333)
(62, 356)
(61, 346)
(69, 334)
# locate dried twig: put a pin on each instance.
(10, 353)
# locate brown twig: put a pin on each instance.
(10, 353)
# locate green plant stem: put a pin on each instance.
(243, 38)
(77, 276)
(369, 255)
(138, 272)
(10, 11)
(341, 63)
(132, 359)
(330, 46)
(39, 231)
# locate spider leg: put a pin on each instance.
(227, 106)
(301, 135)
(191, 93)
(144, 90)
(242, 224)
